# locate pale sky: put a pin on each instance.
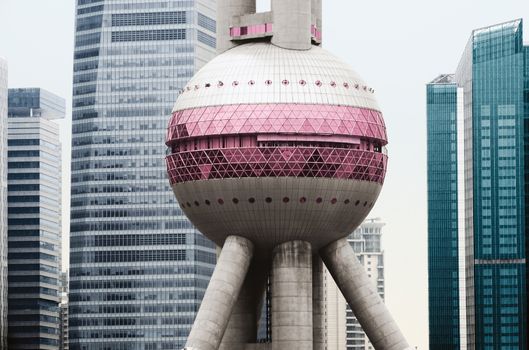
(396, 46)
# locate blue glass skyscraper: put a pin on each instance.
(138, 268)
(478, 207)
(442, 213)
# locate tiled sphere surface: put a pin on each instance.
(276, 145)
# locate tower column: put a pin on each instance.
(221, 294)
(292, 20)
(292, 296)
(362, 296)
(318, 300)
(242, 327)
(226, 10)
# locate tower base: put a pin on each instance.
(228, 316)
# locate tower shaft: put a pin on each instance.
(291, 24)
(222, 293)
(292, 296)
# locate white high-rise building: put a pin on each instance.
(3, 203)
(335, 308)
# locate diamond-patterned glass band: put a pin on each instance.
(338, 163)
(299, 119)
(273, 140)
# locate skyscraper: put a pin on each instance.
(478, 149)
(34, 218)
(445, 232)
(138, 267)
(3, 203)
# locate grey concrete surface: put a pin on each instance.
(242, 327)
(221, 294)
(292, 21)
(291, 286)
(226, 10)
(262, 346)
(318, 304)
(362, 296)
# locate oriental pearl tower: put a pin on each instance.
(277, 153)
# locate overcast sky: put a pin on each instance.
(396, 46)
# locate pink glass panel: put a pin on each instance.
(292, 119)
(255, 29)
(315, 32)
(276, 140)
(239, 162)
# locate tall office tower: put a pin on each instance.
(3, 204)
(63, 324)
(478, 149)
(366, 242)
(34, 218)
(445, 230)
(138, 267)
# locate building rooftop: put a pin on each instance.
(444, 79)
(514, 24)
(35, 102)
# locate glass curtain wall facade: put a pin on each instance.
(491, 75)
(443, 269)
(34, 218)
(3, 204)
(138, 268)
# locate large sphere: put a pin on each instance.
(276, 145)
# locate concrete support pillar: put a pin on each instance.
(292, 296)
(318, 304)
(292, 20)
(226, 10)
(362, 296)
(221, 295)
(242, 327)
